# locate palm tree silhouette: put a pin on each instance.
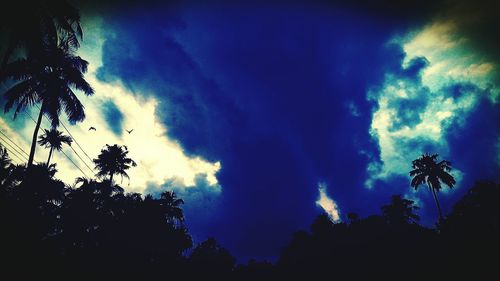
(53, 139)
(400, 211)
(171, 205)
(427, 170)
(48, 80)
(31, 23)
(113, 160)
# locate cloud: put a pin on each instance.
(328, 205)
(113, 116)
(112, 108)
(444, 99)
(435, 91)
(266, 98)
(265, 101)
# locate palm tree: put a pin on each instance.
(48, 80)
(171, 206)
(53, 139)
(32, 23)
(113, 160)
(401, 211)
(427, 170)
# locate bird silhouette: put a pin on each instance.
(129, 131)
(92, 128)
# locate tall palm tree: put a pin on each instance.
(427, 170)
(113, 160)
(53, 139)
(31, 23)
(48, 80)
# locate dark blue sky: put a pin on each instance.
(280, 95)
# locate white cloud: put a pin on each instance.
(158, 157)
(450, 60)
(328, 205)
(450, 56)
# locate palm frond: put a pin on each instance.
(73, 108)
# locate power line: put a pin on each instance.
(76, 142)
(92, 171)
(85, 163)
(69, 133)
(13, 148)
(85, 175)
(14, 143)
(10, 152)
(74, 163)
(29, 115)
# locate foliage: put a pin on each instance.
(113, 160)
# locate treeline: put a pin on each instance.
(95, 230)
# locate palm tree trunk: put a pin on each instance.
(110, 179)
(35, 136)
(50, 154)
(436, 201)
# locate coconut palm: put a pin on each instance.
(171, 205)
(113, 160)
(48, 80)
(30, 24)
(427, 170)
(53, 139)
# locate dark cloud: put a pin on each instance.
(474, 145)
(479, 21)
(113, 116)
(263, 90)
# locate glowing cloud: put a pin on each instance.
(159, 158)
(327, 203)
(415, 111)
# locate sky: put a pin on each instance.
(262, 116)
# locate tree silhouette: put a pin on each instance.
(53, 139)
(171, 205)
(5, 164)
(32, 23)
(113, 160)
(427, 170)
(400, 211)
(48, 79)
(211, 258)
(10, 174)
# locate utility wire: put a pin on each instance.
(85, 175)
(74, 164)
(69, 133)
(10, 152)
(12, 147)
(90, 169)
(62, 124)
(14, 143)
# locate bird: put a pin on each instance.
(92, 128)
(129, 131)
